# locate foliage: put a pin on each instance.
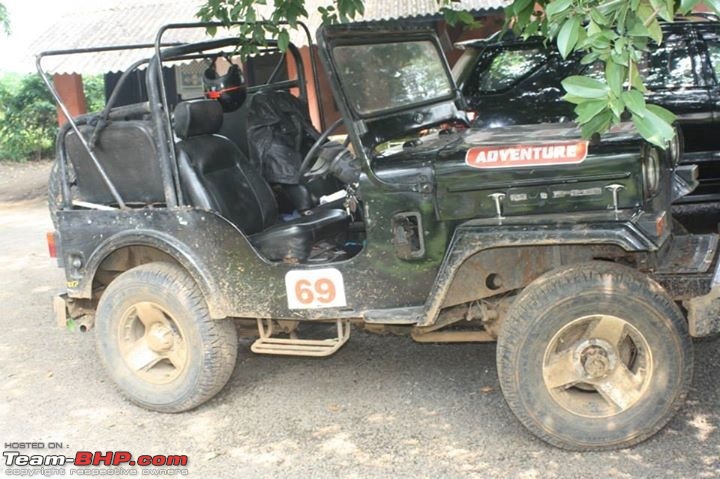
(4, 19)
(28, 117)
(617, 33)
(94, 92)
(28, 120)
(285, 15)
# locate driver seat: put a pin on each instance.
(216, 175)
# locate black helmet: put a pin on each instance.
(229, 89)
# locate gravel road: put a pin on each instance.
(382, 407)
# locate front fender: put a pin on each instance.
(475, 237)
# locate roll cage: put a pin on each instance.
(158, 107)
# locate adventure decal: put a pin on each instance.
(565, 153)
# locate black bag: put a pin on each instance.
(280, 133)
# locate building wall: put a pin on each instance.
(70, 89)
(323, 110)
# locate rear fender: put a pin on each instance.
(203, 243)
(164, 243)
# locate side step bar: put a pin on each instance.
(266, 344)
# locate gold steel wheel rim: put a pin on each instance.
(597, 366)
(152, 344)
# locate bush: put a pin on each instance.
(28, 117)
(94, 92)
(28, 120)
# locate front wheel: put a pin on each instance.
(157, 341)
(594, 356)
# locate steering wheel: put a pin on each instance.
(307, 167)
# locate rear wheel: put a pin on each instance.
(158, 342)
(594, 356)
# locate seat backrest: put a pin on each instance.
(235, 126)
(215, 174)
(126, 151)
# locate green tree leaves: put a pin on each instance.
(568, 36)
(264, 20)
(616, 33)
(583, 88)
(613, 32)
(601, 105)
(28, 119)
(4, 19)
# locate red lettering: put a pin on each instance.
(566, 153)
(121, 457)
(106, 459)
(83, 458)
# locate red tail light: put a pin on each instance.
(52, 247)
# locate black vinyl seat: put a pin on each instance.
(216, 175)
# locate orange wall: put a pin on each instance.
(70, 89)
(316, 99)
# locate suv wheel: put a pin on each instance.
(157, 341)
(594, 356)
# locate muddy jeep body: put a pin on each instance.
(455, 224)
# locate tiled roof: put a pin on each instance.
(113, 23)
(117, 22)
(389, 10)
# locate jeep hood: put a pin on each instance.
(517, 146)
(526, 170)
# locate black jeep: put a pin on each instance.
(562, 250)
(510, 81)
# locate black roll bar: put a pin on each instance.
(158, 96)
(65, 189)
(158, 105)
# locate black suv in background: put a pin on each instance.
(507, 81)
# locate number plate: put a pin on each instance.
(315, 288)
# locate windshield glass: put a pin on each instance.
(508, 67)
(386, 76)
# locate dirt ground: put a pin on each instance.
(382, 407)
(23, 181)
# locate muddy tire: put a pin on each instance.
(157, 341)
(594, 356)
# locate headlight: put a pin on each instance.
(651, 171)
(675, 148)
